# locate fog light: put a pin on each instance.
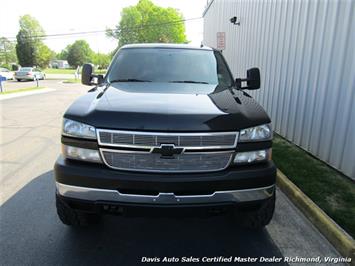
(82, 154)
(252, 156)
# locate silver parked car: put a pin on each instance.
(29, 73)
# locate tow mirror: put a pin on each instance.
(252, 80)
(86, 74)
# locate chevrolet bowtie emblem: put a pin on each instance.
(167, 151)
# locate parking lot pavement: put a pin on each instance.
(31, 233)
(60, 76)
(30, 134)
(11, 85)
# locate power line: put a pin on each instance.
(116, 30)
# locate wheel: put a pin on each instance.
(257, 218)
(69, 216)
(18, 80)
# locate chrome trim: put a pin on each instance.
(96, 194)
(236, 134)
(161, 145)
(165, 171)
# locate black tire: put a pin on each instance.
(19, 80)
(257, 219)
(69, 216)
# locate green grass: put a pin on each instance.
(69, 71)
(329, 189)
(72, 81)
(59, 71)
(21, 90)
(100, 71)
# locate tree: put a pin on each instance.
(30, 49)
(25, 49)
(28, 40)
(101, 60)
(63, 55)
(44, 55)
(146, 22)
(7, 52)
(79, 53)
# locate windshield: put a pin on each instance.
(169, 65)
(25, 69)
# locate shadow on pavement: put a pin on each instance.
(32, 234)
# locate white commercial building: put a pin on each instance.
(306, 54)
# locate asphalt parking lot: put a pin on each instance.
(31, 233)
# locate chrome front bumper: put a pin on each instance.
(233, 196)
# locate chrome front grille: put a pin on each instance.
(151, 162)
(144, 151)
(217, 140)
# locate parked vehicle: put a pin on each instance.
(6, 73)
(168, 126)
(29, 73)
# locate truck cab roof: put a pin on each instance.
(166, 45)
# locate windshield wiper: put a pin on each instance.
(129, 80)
(188, 81)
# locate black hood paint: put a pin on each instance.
(174, 107)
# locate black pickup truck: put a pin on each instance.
(166, 130)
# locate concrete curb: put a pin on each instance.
(343, 242)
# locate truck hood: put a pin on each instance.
(167, 107)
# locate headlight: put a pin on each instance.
(259, 133)
(252, 156)
(79, 130)
(82, 154)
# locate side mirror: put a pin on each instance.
(86, 74)
(252, 80)
(97, 79)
